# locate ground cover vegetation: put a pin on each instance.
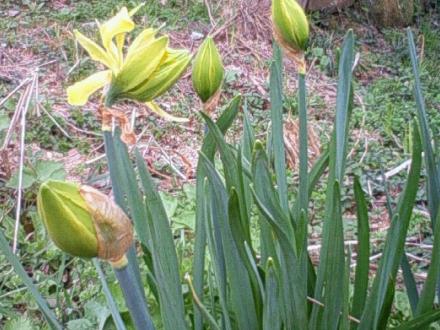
(219, 240)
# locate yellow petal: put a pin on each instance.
(143, 38)
(120, 23)
(95, 51)
(158, 110)
(120, 40)
(79, 93)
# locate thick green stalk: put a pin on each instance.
(276, 100)
(303, 147)
(117, 186)
(117, 178)
(133, 298)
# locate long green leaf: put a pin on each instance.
(208, 148)
(387, 305)
(345, 310)
(363, 251)
(303, 195)
(21, 272)
(203, 310)
(276, 111)
(421, 322)
(241, 293)
(116, 152)
(215, 245)
(271, 313)
(117, 319)
(408, 276)
(410, 283)
(342, 103)
(231, 169)
(243, 248)
(292, 277)
(394, 244)
(335, 264)
(337, 155)
(427, 296)
(166, 268)
(433, 177)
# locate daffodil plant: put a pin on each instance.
(144, 72)
(279, 289)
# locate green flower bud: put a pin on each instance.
(208, 71)
(169, 71)
(137, 69)
(290, 26)
(83, 221)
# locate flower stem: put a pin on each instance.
(303, 145)
(133, 298)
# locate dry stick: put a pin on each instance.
(213, 33)
(420, 245)
(36, 91)
(24, 82)
(82, 130)
(317, 302)
(211, 19)
(28, 95)
(169, 160)
(14, 120)
(54, 121)
(396, 170)
(417, 258)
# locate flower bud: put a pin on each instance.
(168, 72)
(83, 221)
(137, 69)
(290, 26)
(208, 71)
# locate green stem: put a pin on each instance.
(131, 270)
(133, 298)
(303, 146)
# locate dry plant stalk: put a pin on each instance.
(291, 136)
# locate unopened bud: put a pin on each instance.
(290, 26)
(84, 222)
(208, 71)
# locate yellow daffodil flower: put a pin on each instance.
(147, 70)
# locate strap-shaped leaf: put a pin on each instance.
(427, 296)
(166, 267)
(363, 251)
(277, 136)
(433, 175)
(394, 244)
(335, 265)
(293, 279)
(21, 272)
(240, 287)
(420, 322)
(337, 155)
(303, 194)
(208, 148)
(271, 312)
(117, 160)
